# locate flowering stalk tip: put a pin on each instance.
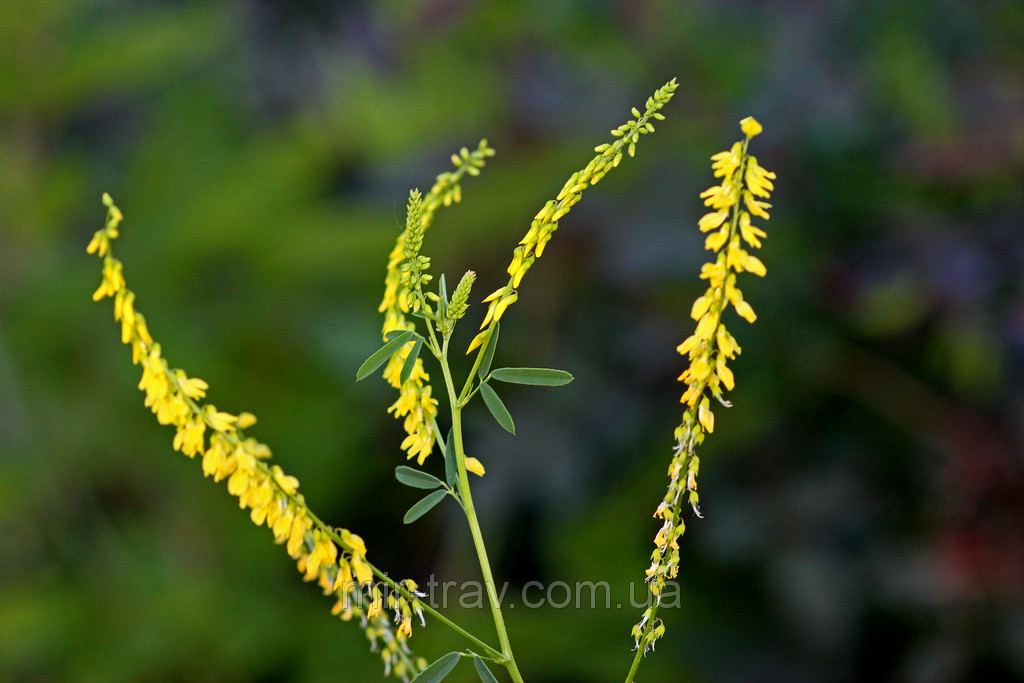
(545, 223)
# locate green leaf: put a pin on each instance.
(485, 362)
(442, 304)
(423, 507)
(451, 469)
(483, 672)
(418, 479)
(544, 377)
(383, 353)
(439, 669)
(497, 408)
(410, 361)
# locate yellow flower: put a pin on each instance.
(219, 421)
(113, 279)
(750, 127)
(189, 439)
(193, 387)
(475, 466)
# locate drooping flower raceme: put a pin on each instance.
(334, 558)
(544, 224)
(730, 232)
(415, 403)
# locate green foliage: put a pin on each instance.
(439, 669)
(497, 408)
(416, 478)
(541, 377)
(423, 506)
(381, 355)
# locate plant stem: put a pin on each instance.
(640, 650)
(474, 524)
(437, 615)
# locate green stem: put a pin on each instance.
(640, 649)
(491, 652)
(474, 524)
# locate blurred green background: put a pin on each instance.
(863, 500)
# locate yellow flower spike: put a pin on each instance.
(271, 495)
(398, 296)
(728, 225)
(545, 222)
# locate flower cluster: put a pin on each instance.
(334, 558)
(459, 303)
(415, 403)
(744, 184)
(544, 224)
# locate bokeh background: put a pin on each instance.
(863, 500)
